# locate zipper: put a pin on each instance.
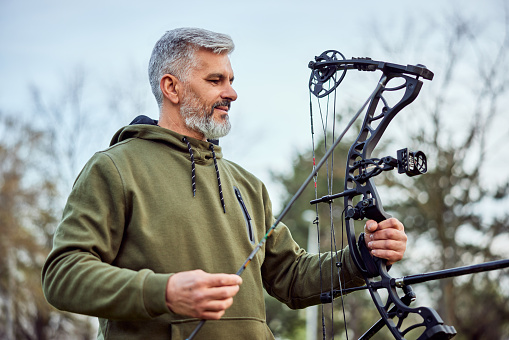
(247, 218)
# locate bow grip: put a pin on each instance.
(372, 264)
(369, 261)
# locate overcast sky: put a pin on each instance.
(43, 41)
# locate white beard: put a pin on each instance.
(198, 117)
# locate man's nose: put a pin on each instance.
(229, 93)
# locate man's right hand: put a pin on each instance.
(201, 295)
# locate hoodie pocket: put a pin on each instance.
(247, 218)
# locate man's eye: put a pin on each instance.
(214, 81)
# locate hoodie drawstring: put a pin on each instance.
(211, 147)
(193, 171)
(193, 166)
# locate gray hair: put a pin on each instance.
(174, 54)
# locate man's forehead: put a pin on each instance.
(213, 63)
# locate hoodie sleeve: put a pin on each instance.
(292, 275)
(79, 275)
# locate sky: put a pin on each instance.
(42, 42)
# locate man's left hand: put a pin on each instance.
(386, 240)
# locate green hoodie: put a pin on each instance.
(132, 220)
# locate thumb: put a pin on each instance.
(370, 227)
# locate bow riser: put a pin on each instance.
(371, 205)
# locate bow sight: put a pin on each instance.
(412, 163)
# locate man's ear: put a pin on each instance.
(171, 88)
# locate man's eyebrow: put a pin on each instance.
(218, 76)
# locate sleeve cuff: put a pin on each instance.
(154, 294)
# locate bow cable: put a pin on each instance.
(316, 221)
(330, 177)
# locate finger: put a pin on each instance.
(219, 293)
(390, 250)
(214, 308)
(188, 293)
(370, 226)
(211, 315)
(208, 301)
(388, 234)
(220, 280)
(217, 305)
(387, 245)
(207, 315)
(391, 223)
(390, 255)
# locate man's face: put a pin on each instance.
(207, 95)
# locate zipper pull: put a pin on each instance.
(241, 201)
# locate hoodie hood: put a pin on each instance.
(146, 128)
(202, 152)
(144, 120)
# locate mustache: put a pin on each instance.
(225, 102)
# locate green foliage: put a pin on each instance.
(284, 322)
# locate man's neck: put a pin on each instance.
(175, 122)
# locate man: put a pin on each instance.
(154, 223)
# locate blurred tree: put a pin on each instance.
(27, 218)
(79, 122)
(127, 102)
(64, 118)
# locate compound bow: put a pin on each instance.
(361, 199)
